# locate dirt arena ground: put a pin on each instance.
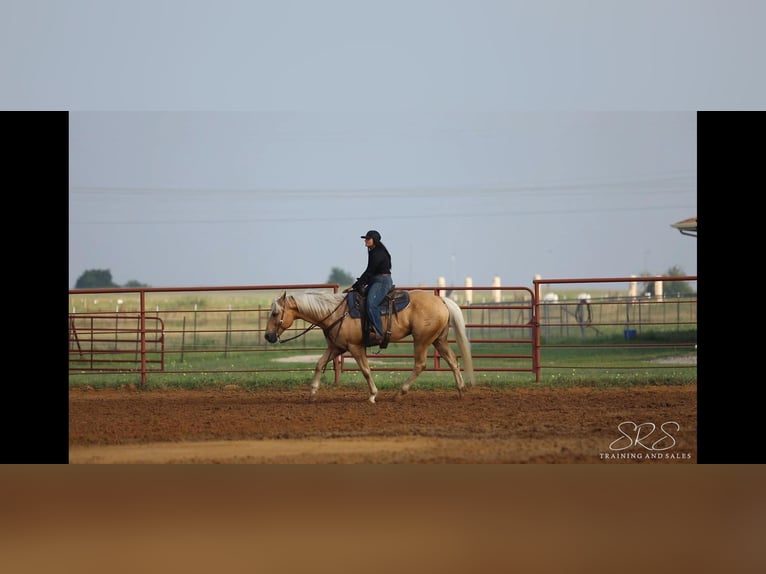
(488, 425)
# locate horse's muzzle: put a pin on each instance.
(271, 337)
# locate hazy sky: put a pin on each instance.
(216, 198)
(249, 143)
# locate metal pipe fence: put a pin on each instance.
(217, 331)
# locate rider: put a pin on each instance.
(377, 282)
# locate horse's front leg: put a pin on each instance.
(330, 353)
(360, 356)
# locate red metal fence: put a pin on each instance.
(148, 331)
(630, 311)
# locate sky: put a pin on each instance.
(241, 198)
(252, 143)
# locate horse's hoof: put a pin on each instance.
(372, 399)
(312, 398)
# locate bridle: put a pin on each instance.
(326, 330)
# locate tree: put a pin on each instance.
(670, 288)
(134, 283)
(95, 279)
(340, 277)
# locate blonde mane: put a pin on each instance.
(318, 304)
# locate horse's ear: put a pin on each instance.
(284, 296)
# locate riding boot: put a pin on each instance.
(373, 339)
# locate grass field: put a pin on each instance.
(561, 366)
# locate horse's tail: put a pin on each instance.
(458, 323)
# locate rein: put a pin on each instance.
(298, 335)
(313, 325)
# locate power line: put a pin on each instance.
(668, 183)
(397, 216)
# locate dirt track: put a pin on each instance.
(572, 425)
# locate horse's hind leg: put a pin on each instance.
(419, 367)
(446, 353)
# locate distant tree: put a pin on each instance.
(134, 283)
(340, 277)
(670, 288)
(95, 279)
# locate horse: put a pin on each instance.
(427, 318)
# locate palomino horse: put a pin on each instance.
(427, 318)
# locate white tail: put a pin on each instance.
(458, 324)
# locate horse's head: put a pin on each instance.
(280, 318)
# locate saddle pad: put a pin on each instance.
(356, 302)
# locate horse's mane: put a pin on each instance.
(317, 304)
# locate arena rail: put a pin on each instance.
(218, 331)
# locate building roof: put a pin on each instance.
(687, 226)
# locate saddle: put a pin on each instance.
(395, 300)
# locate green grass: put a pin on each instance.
(585, 365)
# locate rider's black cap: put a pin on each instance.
(371, 234)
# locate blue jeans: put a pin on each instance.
(376, 291)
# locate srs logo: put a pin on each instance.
(646, 435)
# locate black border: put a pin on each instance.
(729, 164)
(35, 421)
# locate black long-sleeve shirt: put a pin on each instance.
(378, 262)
